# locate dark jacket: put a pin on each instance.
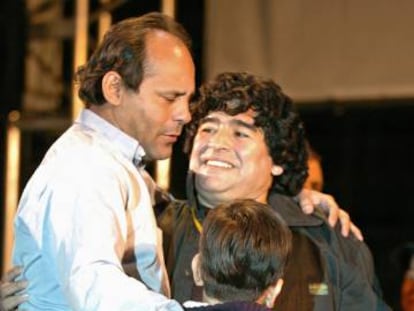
(231, 306)
(325, 271)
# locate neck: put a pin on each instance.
(207, 202)
(210, 202)
(107, 112)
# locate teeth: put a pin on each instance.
(218, 164)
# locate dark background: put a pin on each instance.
(366, 146)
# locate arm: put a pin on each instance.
(93, 224)
(11, 291)
(309, 199)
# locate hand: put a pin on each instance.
(308, 199)
(11, 294)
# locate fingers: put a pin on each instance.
(328, 203)
(347, 226)
(12, 274)
(308, 199)
(305, 201)
(11, 288)
(12, 302)
(345, 221)
(356, 232)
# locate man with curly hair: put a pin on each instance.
(247, 142)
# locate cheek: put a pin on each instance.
(256, 159)
(155, 111)
(153, 121)
(252, 152)
(194, 162)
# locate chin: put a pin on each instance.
(160, 154)
(210, 184)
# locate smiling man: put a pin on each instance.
(231, 174)
(248, 142)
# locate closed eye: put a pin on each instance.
(170, 98)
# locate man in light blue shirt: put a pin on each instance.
(87, 210)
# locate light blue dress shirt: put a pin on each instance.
(85, 210)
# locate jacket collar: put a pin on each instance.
(200, 210)
(291, 212)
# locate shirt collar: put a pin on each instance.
(127, 145)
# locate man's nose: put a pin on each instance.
(182, 114)
(221, 139)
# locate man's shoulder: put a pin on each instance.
(175, 206)
(175, 211)
(289, 209)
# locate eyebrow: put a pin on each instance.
(174, 93)
(236, 122)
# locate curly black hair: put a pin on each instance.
(237, 92)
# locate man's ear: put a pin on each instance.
(195, 266)
(270, 294)
(112, 87)
(277, 170)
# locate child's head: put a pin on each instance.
(243, 250)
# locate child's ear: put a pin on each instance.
(195, 266)
(270, 294)
(112, 87)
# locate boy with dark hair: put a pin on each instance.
(243, 250)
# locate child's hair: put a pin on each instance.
(244, 247)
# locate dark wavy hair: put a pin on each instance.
(123, 49)
(284, 133)
(244, 247)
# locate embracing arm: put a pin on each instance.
(309, 199)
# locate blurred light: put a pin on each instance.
(11, 185)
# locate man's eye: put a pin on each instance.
(170, 98)
(206, 129)
(241, 134)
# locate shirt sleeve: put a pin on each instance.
(84, 239)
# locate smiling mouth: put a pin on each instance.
(216, 163)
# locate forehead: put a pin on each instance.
(223, 117)
(164, 46)
(169, 66)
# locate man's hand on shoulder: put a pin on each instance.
(309, 199)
